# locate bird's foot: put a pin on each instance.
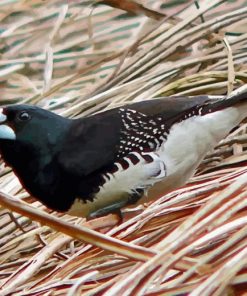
(104, 222)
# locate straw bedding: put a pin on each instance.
(81, 57)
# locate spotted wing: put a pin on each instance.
(169, 107)
(140, 132)
(97, 141)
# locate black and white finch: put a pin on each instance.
(96, 165)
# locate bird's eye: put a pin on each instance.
(24, 116)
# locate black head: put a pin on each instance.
(25, 129)
(30, 140)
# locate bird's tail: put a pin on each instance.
(237, 96)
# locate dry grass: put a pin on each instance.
(77, 58)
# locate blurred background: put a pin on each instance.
(62, 53)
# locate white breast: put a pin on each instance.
(121, 184)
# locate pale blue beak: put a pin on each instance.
(6, 132)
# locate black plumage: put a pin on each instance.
(60, 161)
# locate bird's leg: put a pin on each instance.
(119, 215)
(107, 221)
(106, 217)
(111, 215)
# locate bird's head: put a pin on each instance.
(25, 128)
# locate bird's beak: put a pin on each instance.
(6, 132)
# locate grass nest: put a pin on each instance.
(80, 57)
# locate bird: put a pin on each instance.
(96, 165)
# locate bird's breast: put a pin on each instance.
(137, 171)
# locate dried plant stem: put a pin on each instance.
(82, 233)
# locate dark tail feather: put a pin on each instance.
(237, 96)
(212, 105)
